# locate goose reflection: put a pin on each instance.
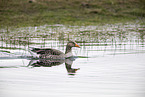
(54, 62)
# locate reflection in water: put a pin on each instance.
(54, 62)
(68, 65)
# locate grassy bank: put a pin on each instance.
(20, 13)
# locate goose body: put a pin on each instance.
(49, 53)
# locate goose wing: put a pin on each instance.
(46, 51)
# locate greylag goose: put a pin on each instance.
(48, 53)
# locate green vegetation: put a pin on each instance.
(20, 13)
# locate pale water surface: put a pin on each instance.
(110, 63)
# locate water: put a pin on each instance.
(110, 63)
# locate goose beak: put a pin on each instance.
(76, 45)
(77, 69)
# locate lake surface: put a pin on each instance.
(110, 63)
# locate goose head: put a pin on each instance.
(72, 44)
(69, 46)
